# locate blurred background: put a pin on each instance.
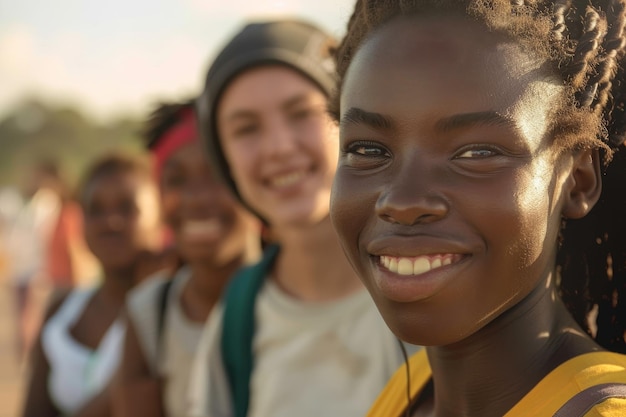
(77, 77)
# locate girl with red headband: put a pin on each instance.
(213, 236)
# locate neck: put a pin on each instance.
(116, 284)
(528, 341)
(311, 265)
(205, 287)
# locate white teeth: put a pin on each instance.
(201, 227)
(418, 265)
(287, 179)
(405, 267)
(393, 264)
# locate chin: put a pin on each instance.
(302, 218)
(411, 326)
(119, 264)
(198, 254)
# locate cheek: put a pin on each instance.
(226, 203)
(351, 206)
(521, 230)
(149, 211)
(89, 233)
(170, 206)
(241, 161)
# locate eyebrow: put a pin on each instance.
(464, 120)
(286, 105)
(354, 115)
(294, 101)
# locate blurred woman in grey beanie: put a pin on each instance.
(296, 334)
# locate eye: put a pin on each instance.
(246, 129)
(127, 207)
(366, 148)
(478, 152)
(300, 113)
(482, 159)
(94, 211)
(172, 180)
(365, 154)
(304, 113)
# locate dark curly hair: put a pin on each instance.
(114, 163)
(162, 118)
(583, 43)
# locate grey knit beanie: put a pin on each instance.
(295, 44)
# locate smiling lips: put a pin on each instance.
(286, 180)
(417, 265)
(207, 229)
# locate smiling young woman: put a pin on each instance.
(213, 236)
(299, 334)
(470, 132)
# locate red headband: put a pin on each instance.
(179, 135)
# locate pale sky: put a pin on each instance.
(116, 57)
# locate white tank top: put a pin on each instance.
(78, 373)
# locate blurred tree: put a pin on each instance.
(36, 131)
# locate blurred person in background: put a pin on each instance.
(10, 205)
(45, 247)
(28, 240)
(80, 342)
(214, 236)
(297, 334)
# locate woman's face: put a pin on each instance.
(448, 195)
(280, 144)
(121, 218)
(208, 223)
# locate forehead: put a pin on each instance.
(447, 64)
(260, 86)
(116, 184)
(190, 155)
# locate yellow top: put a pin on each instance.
(544, 399)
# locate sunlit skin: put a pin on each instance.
(209, 225)
(281, 144)
(446, 166)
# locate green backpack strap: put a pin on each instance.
(238, 325)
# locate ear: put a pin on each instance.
(584, 186)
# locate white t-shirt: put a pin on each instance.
(180, 337)
(311, 359)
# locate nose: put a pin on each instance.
(199, 195)
(279, 139)
(195, 190)
(412, 197)
(114, 221)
